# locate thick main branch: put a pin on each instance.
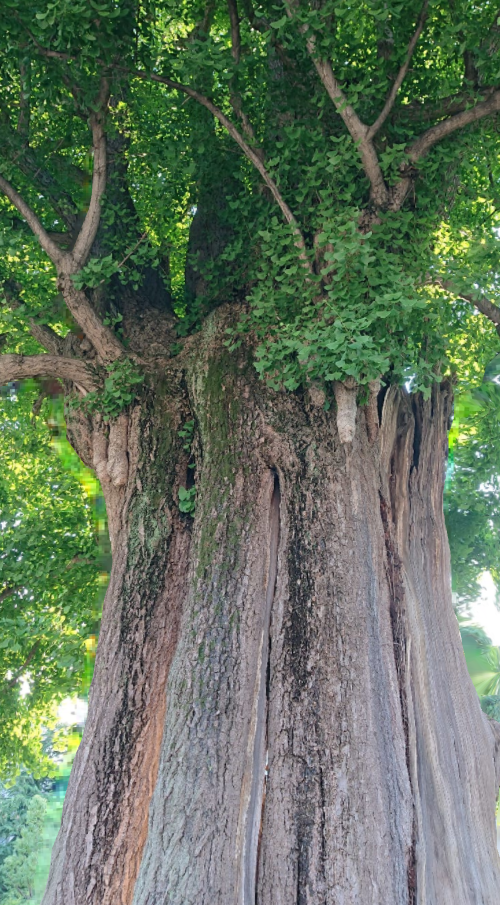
(18, 367)
(483, 304)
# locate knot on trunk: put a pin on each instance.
(110, 458)
(317, 396)
(345, 396)
(372, 420)
(117, 451)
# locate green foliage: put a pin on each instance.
(483, 660)
(100, 270)
(365, 310)
(472, 497)
(360, 317)
(187, 500)
(49, 559)
(121, 386)
(490, 704)
(187, 434)
(18, 869)
(14, 801)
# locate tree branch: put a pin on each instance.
(45, 335)
(17, 150)
(489, 309)
(234, 97)
(448, 106)
(49, 246)
(250, 153)
(88, 232)
(357, 129)
(23, 121)
(422, 145)
(446, 127)
(202, 28)
(18, 367)
(391, 97)
(17, 675)
(106, 344)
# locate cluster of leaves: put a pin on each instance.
(361, 316)
(99, 270)
(187, 434)
(121, 386)
(49, 556)
(14, 801)
(187, 500)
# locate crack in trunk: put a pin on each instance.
(254, 779)
(401, 651)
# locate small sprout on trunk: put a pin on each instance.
(187, 500)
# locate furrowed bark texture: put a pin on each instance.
(98, 850)
(323, 742)
(296, 643)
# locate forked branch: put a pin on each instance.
(357, 129)
(18, 367)
(391, 97)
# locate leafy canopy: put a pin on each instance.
(334, 272)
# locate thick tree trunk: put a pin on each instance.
(322, 741)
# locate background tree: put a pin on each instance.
(310, 189)
(14, 802)
(49, 555)
(18, 869)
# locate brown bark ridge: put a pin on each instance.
(280, 680)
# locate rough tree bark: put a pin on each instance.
(280, 680)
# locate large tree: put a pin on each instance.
(257, 243)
